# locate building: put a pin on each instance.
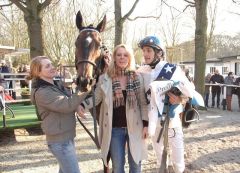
(223, 64)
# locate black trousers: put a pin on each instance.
(216, 92)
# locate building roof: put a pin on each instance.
(214, 60)
(12, 51)
(6, 49)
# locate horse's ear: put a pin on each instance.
(79, 20)
(102, 24)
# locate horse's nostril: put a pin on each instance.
(90, 81)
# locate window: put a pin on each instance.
(237, 69)
(225, 70)
(212, 69)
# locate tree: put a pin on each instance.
(13, 32)
(119, 19)
(32, 10)
(200, 42)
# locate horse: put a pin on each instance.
(88, 54)
(90, 63)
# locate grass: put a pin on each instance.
(25, 116)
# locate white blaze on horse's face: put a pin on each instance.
(89, 40)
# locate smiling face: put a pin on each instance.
(148, 54)
(122, 58)
(48, 71)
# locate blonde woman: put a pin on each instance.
(57, 111)
(122, 120)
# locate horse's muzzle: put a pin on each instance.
(83, 83)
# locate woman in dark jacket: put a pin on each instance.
(57, 111)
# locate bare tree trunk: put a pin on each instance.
(118, 22)
(34, 24)
(200, 44)
(32, 10)
(119, 19)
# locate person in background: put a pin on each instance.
(216, 90)
(154, 62)
(24, 69)
(56, 108)
(123, 113)
(229, 81)
(207, 88)
(4, 69)
(237, 82)
(187, 73)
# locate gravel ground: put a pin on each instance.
(212, 146)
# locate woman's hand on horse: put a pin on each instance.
(80, 111)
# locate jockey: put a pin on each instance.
(154, 64)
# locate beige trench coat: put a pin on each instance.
(134, 119)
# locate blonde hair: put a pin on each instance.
(131, 63)
(35, 67)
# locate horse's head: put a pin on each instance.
(88, 51)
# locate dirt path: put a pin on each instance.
(212, 146)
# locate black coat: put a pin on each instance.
(216, 78)
(237, 89)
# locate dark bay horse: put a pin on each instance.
(90, 63)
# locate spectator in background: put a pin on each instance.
(237, 82)
(216, 90)
(229, 81)
(4, 69)
(187, 73)
(11, 83)
(207, 88)
(24, 69)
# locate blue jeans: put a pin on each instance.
(65, 154)
(117, 148)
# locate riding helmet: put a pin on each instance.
(151, 41)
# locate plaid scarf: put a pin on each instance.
(132, 89)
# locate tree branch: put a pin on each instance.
(164, 2)
(6, 5)
(234, 13)
(45, 4)
(130, 11)
(190, 2)
(143, 17)
(189, 5)
(19, 4)
(236, 2)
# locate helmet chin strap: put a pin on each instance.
(155, 61)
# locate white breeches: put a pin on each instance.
(176, 146)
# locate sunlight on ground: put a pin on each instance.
(212, 116)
